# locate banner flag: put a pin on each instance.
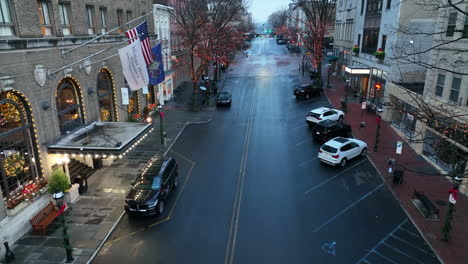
(156, 69)
(134, 66)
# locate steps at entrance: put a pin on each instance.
(77, 168)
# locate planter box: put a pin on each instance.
(380, 57)
(72, 194)
(17, 209)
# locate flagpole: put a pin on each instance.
(49, 73)
(105, 34)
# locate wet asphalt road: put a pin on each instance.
(254, 191)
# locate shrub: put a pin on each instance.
(58, 181)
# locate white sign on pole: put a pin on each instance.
(124, 95)
(134, 65)
(144, 90)
(399, 147)
(363, 106)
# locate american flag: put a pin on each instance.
(142, 31)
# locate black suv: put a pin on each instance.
(152, 186)
(307, 90)
(328, 129)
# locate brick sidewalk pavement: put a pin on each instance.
(435, 187)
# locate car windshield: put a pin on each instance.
(148, 183)
(223, 94)
(320, 128)
(328, 148)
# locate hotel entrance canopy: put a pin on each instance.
(102, 139)
(358, 70)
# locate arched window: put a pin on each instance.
(18, 154)
(68, 106)
(106, 102)
(133, 107)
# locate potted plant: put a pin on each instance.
(356, 49)
(379, 54)
(58, 182)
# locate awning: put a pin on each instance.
(102, 139)
(357, 70)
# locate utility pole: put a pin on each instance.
(161, 129)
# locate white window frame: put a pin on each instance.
(64, 12)
(6, 19)
(455, 90)
(103, 18)
(442, 85)
(90, 19)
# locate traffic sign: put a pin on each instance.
(399, 147)
(363, 106)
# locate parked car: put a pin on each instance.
(281, 41)
(324, 113)
(152, 187)
(307, 91)
(224, 98)
(339, 150)
(328, 129)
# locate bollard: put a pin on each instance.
(9, 255)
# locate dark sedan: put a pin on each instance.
(307, 91)
(151, 188)
(224, 98)
(328, 129)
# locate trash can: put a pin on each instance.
(398, 177)
(344, 105)
(83, 184)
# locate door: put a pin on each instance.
(346, 151)
(354, 149)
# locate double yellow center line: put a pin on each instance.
(231, 244)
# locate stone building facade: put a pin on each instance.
(47, 90)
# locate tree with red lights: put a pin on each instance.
(320, 17)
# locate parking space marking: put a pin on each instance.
(409, 232)
(384, 257)
(322, 183)
(381, 241)
(304, 141)
(403, 253)
(409, 244)
(347, 208)
(307, 162)
(169, 216)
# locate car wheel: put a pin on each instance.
(161, 207)
(343, 162)
(363, 152)
(307, 96)
(340, 119)
(176, 182)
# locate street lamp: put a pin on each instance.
(378, 119)
(161, 129)
(58, 197)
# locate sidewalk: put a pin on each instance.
(434, 187)
(92, 218)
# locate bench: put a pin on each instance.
(428, 205)
(42, 219)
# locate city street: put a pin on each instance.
(253, 190)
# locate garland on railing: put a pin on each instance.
(26, 192)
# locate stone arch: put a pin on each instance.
(20, 161)
(69, 105)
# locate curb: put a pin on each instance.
(123, 213)
(105, 238)
(398, 200)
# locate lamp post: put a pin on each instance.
(58, 197)
(161, 129)
(378, 119)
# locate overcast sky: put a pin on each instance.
(261, 9)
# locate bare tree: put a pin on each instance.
(204, 27)
(320, 17)
(278, 20)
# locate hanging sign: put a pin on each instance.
(124, 95)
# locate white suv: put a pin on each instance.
(339, 150)
(324, 113)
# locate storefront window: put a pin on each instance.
(132, 103)
(403, 116)
(443, 153)
(17, 153)
(106, 102)
(68, 106)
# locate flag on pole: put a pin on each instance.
(156, 69)
(133, 65)
(141, 31)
